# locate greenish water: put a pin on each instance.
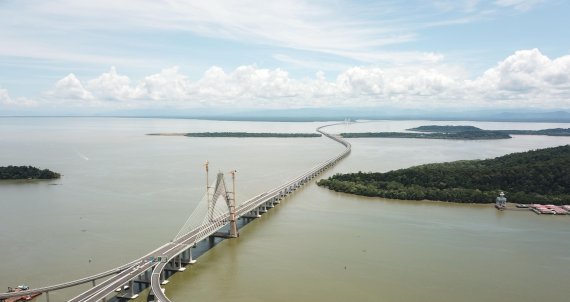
(124, 193)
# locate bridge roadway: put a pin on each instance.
(128, 272)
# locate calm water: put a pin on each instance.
(124, 193)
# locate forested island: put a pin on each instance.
(457, 133)
(239, 134)
(26, 172)
(460, 129)
(539, 176)
(445, 129)
(462, 135)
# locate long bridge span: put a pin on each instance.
(205, 222)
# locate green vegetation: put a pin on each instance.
(540, 176)
(26, 172)
(248, 134)
(458, 132)
(462, 135)
(445, 129)
(548, 132)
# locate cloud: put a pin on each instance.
(169, 84)
(522, 5)
(354, 30)
(528, 70)
(70, 88)
(5, 97)
(526, 78)
(7, 101)
(109, 85)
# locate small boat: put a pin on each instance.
(522, 206)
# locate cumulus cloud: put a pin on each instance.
(7, 101)
(109, 85)
(168, 84)
(526, 78)
(5, 97)
(70, 88)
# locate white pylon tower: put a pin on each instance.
(210, 205)
(232, 206)
(220, 190)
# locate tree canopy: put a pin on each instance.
(26, 172)
(250, 134)
(541, 176)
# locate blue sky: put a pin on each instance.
(97, 56)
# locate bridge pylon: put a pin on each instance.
(220, 191)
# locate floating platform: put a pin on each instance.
(20, 298)
(550, 209)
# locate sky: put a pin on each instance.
(92, 57)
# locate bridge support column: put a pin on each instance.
(132, 294)
(180, 267)
(47, 296)
(189, 253)
(93, 283)
(163, 280)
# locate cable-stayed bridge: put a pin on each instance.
(216, 211)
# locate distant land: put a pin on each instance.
(539, 176)
(238, 134)
(26, 172)
(457, 133)
(460, 129)
(466, 135)
(329, 114)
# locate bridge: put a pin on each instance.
(216, 211)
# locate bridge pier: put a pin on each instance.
(163, 280)
(187, 256)
(130, 293)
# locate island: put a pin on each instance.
(462, 135)
(445, 129)
(459, 129)
(239, 134)
(457, 133)
(538, 176)
(26, 172)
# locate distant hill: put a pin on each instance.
(541, 176)
(26, 172)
